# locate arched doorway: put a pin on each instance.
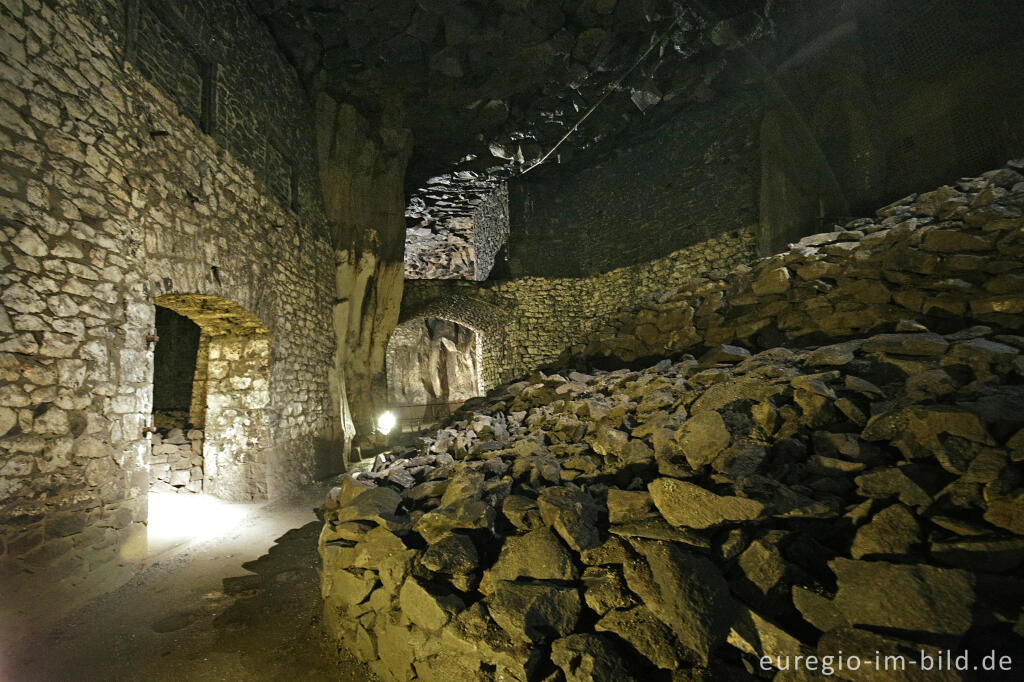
(433, 366)
(214, 440)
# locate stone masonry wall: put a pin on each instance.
(441, 250)
(490, 231)
(672, 304)
(532, 320)
(237, 419)
(692, 179)
(217, 63)
(112, 197)
(460, 247)
(176, 462)
(940, 257)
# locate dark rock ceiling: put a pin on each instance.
(490, 87)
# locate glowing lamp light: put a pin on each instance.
(385, 422)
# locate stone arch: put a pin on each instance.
(490, 322)
(231, 394)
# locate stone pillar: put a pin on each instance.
(362, 170)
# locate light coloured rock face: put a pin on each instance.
(432, 362)
(361, 175)
(113, 199)
(785, 501)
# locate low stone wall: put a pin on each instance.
(541, 317)
(942, 257)
(176, 461)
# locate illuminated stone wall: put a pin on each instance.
(235, 451)
(113, 197)
(176, 461)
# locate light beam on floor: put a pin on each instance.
(176, 519)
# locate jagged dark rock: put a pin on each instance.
(756, 502)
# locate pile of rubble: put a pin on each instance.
(858, 492)
(440, 250)
(689, 519)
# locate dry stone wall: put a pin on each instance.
(112, 197)
(721, 517)
(460, 247)
(942, 256)
(528, 322)
(688, 181)
(490, 231)
(216, 62)
(176, 461)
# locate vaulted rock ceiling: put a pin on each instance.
(490, 88)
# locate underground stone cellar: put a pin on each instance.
(523, 340)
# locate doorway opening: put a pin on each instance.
(211, 393)
(433, 366)
(179, 400)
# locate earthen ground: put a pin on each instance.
(173, 620)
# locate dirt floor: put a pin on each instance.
(177, 619)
